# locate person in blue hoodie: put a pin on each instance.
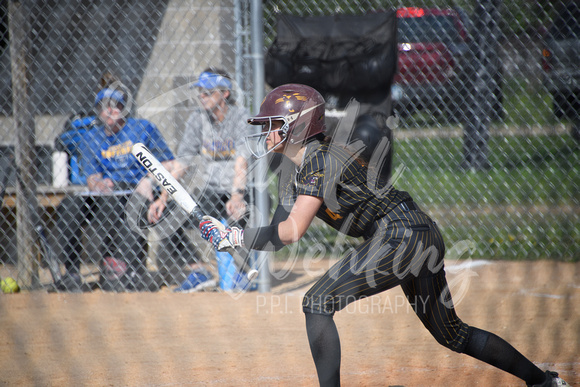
(112, 175)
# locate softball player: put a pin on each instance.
(401, 244)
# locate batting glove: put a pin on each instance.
(220, 236)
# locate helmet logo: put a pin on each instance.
(286, 98)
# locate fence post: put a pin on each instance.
(26, 201)
(485, 63)
(256, 20)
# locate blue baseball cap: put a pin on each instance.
(113, 94)
(211, 81)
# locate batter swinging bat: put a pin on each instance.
(180, 195)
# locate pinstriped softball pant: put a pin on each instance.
(405, 248)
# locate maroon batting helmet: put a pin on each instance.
(299, 107)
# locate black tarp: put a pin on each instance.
(341, 54)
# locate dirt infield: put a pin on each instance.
(216, 339)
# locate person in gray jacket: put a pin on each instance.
(214, 134)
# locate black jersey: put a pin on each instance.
(351, 204)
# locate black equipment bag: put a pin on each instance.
(337, 54)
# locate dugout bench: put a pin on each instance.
(49, 198)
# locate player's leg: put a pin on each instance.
(494, 350)
(71, 215)
(123, 248)
(175, 250)
(355, 276)
(433, 304)
(189, 259)
(325, 347)
(132, 245)
(174, 253)
(113, 266)
(431, 300)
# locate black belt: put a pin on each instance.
(409, 205)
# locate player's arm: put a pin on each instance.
(300, 218)
(177, 170)
(236, 206)
(95, 182)
(92, 166)
(272, 237)
(146, 185)
(156, 208)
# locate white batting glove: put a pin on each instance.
(220, 236)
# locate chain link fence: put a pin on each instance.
(485, 108)
(152, 52)
(502, 76)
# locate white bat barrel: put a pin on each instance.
(164, 178)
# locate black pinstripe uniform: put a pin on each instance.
(402, 245)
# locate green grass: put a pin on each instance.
(541, 170)
(525, 207)
(526, 103)
(516, 235)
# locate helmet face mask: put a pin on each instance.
(299, 107)
(259, 149)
